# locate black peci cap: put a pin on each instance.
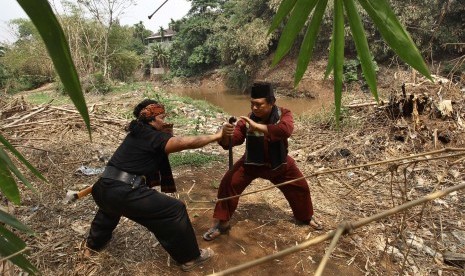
(261, 90)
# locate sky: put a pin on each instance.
(175, 9)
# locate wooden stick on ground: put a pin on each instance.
(339, 231)
(25, 117)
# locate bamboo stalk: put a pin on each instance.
(25, 117)
(361, 104)
(46, 122)
(340, 230)
(348, 226)
(64, 109)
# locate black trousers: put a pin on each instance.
(164, 216)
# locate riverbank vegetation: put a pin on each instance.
(229, 36)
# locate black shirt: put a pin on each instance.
(141, 151)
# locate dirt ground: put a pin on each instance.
(414, 242)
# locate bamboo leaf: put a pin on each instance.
(330, 66)
(338, 56)
(284, 9)
(306, 49)
(13, 222)
(11, 244)
(296, 22)
(15, 242)
(21, 158)
(361, 45)
(395, 35)
(41, 14)
(4, 156)
(7, 183)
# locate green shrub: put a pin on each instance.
(236, 78)
(5, 75)
(192, 158)
(350, 70)
(12, 84)
(124, 64)
(96, 83)
(101, 84)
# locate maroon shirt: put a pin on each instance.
(280, 131)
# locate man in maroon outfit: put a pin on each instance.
(265, 131)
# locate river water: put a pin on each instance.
(238, 104)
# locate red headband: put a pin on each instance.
(151, 111)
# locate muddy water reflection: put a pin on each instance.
(238, 104)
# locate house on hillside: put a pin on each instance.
(158, 44)
(165, 36)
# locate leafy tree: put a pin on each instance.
(161, 31)
(193, 50)
(27, 61)
(430, 28)
(123, 60)
(205, 6)
(124, 64)
(159, 55)
(25, 29)
(140, 33)
(4, 71)
(106, 13)
(174, 25)
(242, 40)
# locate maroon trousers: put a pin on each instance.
(236, 180)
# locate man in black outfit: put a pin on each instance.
(122, 190)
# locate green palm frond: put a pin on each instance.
(383, 18)
(43, 18)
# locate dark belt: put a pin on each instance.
(115, 174)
